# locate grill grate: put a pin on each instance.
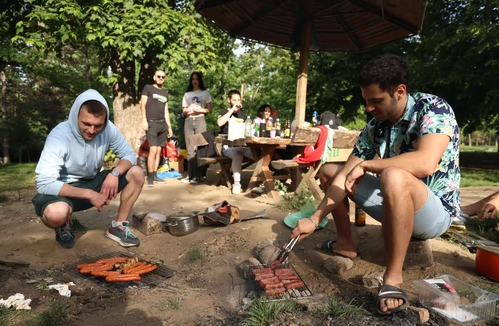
(148, 280)
(298, 293)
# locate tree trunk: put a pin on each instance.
(125, 105)
(6, 155)
(469, 140)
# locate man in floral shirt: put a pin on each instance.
(416, 191)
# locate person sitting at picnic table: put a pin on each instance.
(235, 153)
(416, 192)
(69, 176)
(263, 113)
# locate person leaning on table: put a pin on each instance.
(417, 192)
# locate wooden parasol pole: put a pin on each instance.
(301, 87)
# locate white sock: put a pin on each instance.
(116, 223)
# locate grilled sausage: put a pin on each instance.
(274, 285)
(275, 264)
(123, 278)
(104, 273)
(91, 265)
(294, 285)
(148, 269)
(275, 291)
(271, 280)
(132, 266)
(290, 280)
(284, 271)
(257, 271)
(137, 268)
(112, 260)
(260, 277)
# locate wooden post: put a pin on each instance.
(301, 86)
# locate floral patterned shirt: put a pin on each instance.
(424, 114)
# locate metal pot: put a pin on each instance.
(182, 223)
(487, 262)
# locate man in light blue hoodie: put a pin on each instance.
(69, 176)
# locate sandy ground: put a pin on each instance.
(207, 290)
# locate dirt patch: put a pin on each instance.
(205, 290)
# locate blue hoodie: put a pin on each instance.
(67, 157)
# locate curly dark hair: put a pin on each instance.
(200, 79)
(386, 70)
(261, 110)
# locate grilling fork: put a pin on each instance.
(285, 252)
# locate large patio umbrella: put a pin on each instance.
(316, 25)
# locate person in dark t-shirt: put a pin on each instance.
(155, 122)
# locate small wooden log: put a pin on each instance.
(147, 225)
(11, 262)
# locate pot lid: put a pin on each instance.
(183, 215)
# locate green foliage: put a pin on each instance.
(263, 311)
(4, 315)
(194, 253)
(293, 201)
(14, 177)
(336, 308)
(486, 228)
(56, 315)
(479, 178)
(171, 304)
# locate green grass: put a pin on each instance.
(194, 253)
(293, 202)
(479, 178)
(336, 308)
(56, 315)
(4, 315)
(14, 177)
(172, 304)
(263, 311)
(485, 228)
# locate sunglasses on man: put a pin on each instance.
(161, 77)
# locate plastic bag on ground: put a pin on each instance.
(305, 212)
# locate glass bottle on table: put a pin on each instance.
(277, 127)
(287, 129)
(268, 127)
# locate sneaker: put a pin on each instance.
(461, 219)
(194, 180)
(64, 236)
(150, 181)
(185, 180)
(236, 189)
(158, 180)
(258, 190)
(123, 235)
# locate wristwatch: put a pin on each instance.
(115, 172)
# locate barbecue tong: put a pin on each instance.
(285, 252)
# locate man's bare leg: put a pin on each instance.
(403, 195)
(153, 156)
(56, 214)
(130, 193)
(344, 243)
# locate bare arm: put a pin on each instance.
(167, 119)
(420, 163)
(225, 118)
(143, 101)
(334, 195)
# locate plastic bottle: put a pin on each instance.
(247, 127)
(314, 119)
(360, 216)
(268, 127)
(256, 129)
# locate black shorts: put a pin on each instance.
(41, 201)
(157, 133)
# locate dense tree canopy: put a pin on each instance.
(51, 50)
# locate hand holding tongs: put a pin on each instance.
(285, 252)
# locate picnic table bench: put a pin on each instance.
(305, 174)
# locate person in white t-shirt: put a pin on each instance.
(196, 103)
